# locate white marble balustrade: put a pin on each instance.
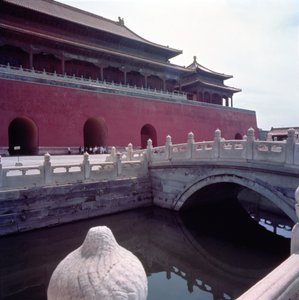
(133, 165)
(249, 149)
(135, 162)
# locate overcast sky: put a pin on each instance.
(256, 41)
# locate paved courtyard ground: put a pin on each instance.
(10, 161)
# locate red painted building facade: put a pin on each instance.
(69, 78)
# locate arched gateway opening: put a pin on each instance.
(238, 136)
(23, 137)
(95, 133)
(148, 132)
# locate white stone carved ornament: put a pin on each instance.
(99, 269)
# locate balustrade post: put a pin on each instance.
(118, 164)
(250, 144)
(290, 146)
(1, 173)
(190, 143)
(130, 152)
(149, 150)
(47, 169)
(113, 154)
(269, 137)
(86, 165)
(295, 231)
(216, 146)
(168, 147)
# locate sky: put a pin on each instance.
(256, 41)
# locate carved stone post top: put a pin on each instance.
(168, 139)
(113, 150)
(269, 136)
(250, 134)
(190, 135)
(291, 133)
(130, 146)
(102, 265)
(149, 144)
(217, 133)
(47, 157)
(190, 138)
(85, 156)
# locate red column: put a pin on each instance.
(30, 58)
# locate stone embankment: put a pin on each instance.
(64, 193)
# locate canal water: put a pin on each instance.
(213, 252)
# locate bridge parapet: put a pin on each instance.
(248, 149)
(130, 164)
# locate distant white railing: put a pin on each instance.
(116, 166)
(248, 149)
(135, 162)
(107, 86)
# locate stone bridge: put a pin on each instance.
(269, 168)
(169, 176)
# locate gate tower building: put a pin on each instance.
(69, 78)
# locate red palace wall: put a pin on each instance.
(60, 114)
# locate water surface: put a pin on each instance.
(207, 254)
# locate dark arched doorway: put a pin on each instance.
(23, 137)
(95, 133)
(148, 132)
(238, 136)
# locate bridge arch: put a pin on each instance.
(261, 188)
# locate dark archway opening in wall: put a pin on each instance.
(238, 136)
(95, 133)
(148, 132)
(224, 211)
(23, 137)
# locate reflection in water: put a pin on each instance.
(278, 223)
(202, 254)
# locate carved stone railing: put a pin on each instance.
(135, 162)
(108, 87)
(48, 174)
(248, 149)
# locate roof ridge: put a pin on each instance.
(89, 19)
(148, 41)
(82, 11)
(120, 23)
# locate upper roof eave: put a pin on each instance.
(198, 67)
(66, 12)
(93, 48)
(208, 84)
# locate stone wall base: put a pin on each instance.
(27, 209)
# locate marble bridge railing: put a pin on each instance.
(133, 163)
(249, 149)
(117, 165)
